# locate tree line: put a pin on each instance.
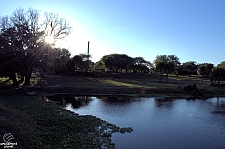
(162, 65)
(23, 51)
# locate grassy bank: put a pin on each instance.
(125, 84)
(35, 123)
(131, 85)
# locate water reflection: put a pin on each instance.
(218, 102)
(219, 105)
(158, 122)
(75, 101)
(81, 101)
(163, 102)
(115, 99)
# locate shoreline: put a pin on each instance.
(118, 91)
(138, 92)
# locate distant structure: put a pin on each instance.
(88, 50)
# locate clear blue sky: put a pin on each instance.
(194, 30)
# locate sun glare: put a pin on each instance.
(49, 39)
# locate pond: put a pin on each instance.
(158, 123)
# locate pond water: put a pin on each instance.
(158, 123)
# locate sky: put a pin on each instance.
(193, 30)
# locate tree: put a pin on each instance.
(205, 69)
(166, 59)
(116, 62)
(166, 64)
(84, 56)
(186, 68)
(169, 68)
(27, 33)
(86, 64)
(201, 71)
(70, 66)
(221, 65)
(77, 62)
(125, 62)
(61, 56)
(218, 74)
(150, 65)
(139, 60)
(142, 68)
(161, 58)
(190, 67)
(56, 27)
(9, 54)
(100, 65)
(174, 60)
(137, 64)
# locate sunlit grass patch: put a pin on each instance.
(118, 83)
(4, 81)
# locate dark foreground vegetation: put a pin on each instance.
(36, 123)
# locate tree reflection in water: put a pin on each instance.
(219, 104)
(163, 102)
(116, 99)
(75, 101)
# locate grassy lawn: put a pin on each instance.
(127, 84)
(144, 81)
(131, 84)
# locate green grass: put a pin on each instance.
(128, 84)
(146, 81)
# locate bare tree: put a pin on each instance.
(55, 26)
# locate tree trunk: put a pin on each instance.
(202, 79)
(21, 79)
(218, 82)
(12, 76)
(27, 77)
(160, 78)
(167, 77)
(15, 83)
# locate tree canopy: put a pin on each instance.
(221, 65)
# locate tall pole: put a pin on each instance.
(88, 50)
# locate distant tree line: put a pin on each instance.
(123, 63)
(162, 65)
